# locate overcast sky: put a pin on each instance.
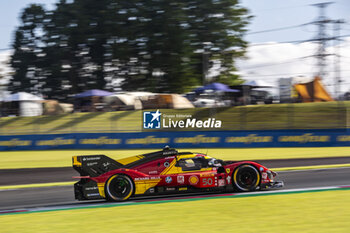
(265, 62)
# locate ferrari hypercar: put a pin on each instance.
(166, 172)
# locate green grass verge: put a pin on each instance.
(303, 212)
(63, 158)
(254, 117)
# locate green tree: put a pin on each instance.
(154, 45)
(217, 28)
(28, 51)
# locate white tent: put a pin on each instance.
(29, 104)
(22, 96)
(257, 83)
(126, 100)
(180, 102)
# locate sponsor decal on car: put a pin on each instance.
(221, 182)
(91, 164)
(193, 179)
(228, 179)
(180, 179)
(92, 194)
(171, 152)
(264, 175)
(147, 178)
(166, 164)
(207, 175)
(91, 158)
(183, 189)
(228, 170)
(168, 179)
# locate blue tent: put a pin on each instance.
(94, 92)
(215, 87)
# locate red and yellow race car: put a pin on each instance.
(166, 172)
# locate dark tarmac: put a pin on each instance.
(63, 195)
(61, 174)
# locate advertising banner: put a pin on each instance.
(187, 139)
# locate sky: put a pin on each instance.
(268, 58)
(270, 14)
(9, 18)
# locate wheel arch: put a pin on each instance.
(245, 164)
(114, 175)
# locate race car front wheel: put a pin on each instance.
(246, 178)
(119, 188)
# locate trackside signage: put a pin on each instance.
(159, 120)
(179, 139)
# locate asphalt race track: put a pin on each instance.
(61, 174)
(63, 195)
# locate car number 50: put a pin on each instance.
(207, 181)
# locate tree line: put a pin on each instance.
(145, 45)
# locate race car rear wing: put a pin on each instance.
(94, 165)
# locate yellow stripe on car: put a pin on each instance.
(76, 162)
(141, 186)
(129, 160)
(101, 189)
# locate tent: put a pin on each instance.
(53, 107)
(91, 100)
(312, 91)
(256, 84)
(93, 92)
(253, 91)
(215, 87)
(23, 104)
(123, 102)
(22, 96)
(175, 101)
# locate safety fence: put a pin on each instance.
(330, 115)
(188, 139)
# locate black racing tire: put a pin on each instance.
(246, 178)
(119, 188)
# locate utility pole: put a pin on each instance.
(337, 77)
(322, 38)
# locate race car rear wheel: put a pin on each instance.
(119, 188)
(246, 178)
